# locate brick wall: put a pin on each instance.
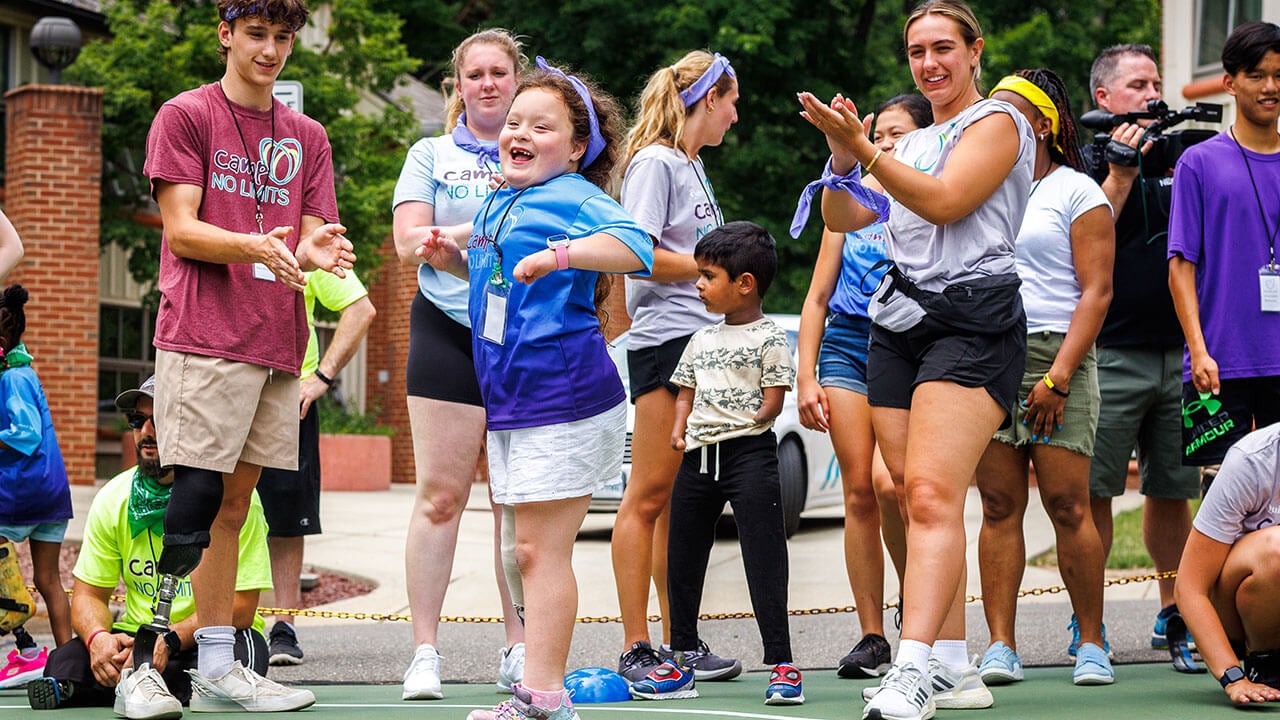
(52, 187)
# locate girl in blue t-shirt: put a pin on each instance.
(555, 404)
(35, 499)
(831, 396)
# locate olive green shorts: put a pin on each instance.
(1079, 414)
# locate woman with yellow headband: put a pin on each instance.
(1064, 252)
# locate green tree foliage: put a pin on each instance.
(160, 48)
(782, 46)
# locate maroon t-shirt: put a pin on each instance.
(223, 310)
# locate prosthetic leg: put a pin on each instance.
(193, 507)
(16, 603)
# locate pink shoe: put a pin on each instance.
(21, 669)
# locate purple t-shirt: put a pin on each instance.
(221, 310)
(1216, 223)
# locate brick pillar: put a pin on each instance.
(52, 192)
(387, 350)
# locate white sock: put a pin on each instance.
(952, 653)
(216, 650)
(913, 652)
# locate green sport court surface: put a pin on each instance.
(1141, 691)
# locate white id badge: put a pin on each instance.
(261, 271)
(494, 328)
(1269, 280)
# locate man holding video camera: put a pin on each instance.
(1140, 345)
(1223, 272)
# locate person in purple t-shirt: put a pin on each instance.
(1223, 273)
(245, 189)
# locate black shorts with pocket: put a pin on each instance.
(441, 364)
(651, 368)
(291, 498)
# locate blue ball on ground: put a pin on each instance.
(596, 685)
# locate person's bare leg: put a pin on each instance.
(1100, 508)
(661, 528)
(45, 558)
(635, 529)
(1063, 480)
(213, 583)
(1166, 523)
(545, 532)
(286, 571)
(446, 444)
(854, 444)
(1002, 551)
(893, 528)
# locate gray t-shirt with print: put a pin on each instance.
(671, 198)
(1245, 496)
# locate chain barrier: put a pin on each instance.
(836, 610)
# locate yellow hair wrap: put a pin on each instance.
(1034, 95)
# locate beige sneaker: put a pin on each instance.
(142, 695)
(243, 690)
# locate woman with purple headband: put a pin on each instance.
(556, 408)
(683, 108)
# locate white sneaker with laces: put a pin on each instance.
(904, 694)
(958, 688)
(243, 690)
(422, 679)
(142, 695)
(511, 667)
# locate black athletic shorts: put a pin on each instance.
(291, 499)
(651, 368)
(899, 361)
(1212, 424)
(440, 363)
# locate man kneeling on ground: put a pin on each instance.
(123, 536)
(1228, 580)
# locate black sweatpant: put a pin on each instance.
(69, 662)
(743, 472)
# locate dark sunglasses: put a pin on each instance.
(137, 420)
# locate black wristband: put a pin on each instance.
(323, 378)
(174, 642)
(1059, 391)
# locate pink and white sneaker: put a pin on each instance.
(22, 669)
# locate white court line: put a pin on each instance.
(581, 710)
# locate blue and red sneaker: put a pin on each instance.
(668, 681)
(784, 686)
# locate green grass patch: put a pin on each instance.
(1127, 548)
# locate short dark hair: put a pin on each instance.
(1103, 72)
(741, 247)
(1248, 44)
(290, 13)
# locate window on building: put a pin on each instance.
(1217, 19)
(125, 354)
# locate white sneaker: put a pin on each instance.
(243, 690)
(904, 694)
(142, 695)
(422, 679)
(958, 688)
(511, 667)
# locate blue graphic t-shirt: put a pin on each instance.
(862, 250)
(552, 366)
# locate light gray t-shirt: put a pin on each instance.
(729, 366)
(672, 200)
(977, 245)
(1246, 494)
(443, 175)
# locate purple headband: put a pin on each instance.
(253, 9)
(699, 89)
(596, 143)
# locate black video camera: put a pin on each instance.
(1167, 148)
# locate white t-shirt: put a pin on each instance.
(729, 366)
(1050, 288)
(443, 175)
(671, 198)
(1245, 496)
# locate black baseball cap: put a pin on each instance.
(128, 400)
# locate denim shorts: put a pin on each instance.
(842, 358)
(50, 532)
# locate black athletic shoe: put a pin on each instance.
(48, 694)
(871, 657)
(1263, 667)
(708, 666)
(284, 645)
(636, 663)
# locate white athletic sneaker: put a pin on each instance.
(142, 695)
(904, 694)
(958, 688)
(422, 679)
(243, 690)
(511, 667)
